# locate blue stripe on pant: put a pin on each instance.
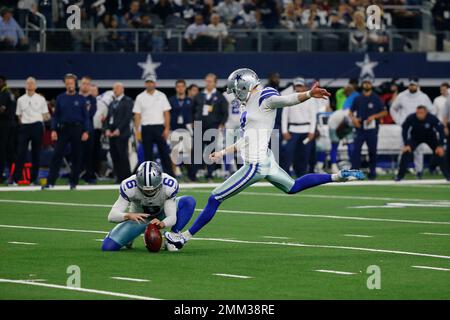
(127, 231)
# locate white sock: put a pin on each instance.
(335, 177)
(187, 235)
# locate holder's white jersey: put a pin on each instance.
(257, 122)
(144, 204)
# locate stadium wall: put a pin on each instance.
(333, 69)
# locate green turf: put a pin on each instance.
(277, 271)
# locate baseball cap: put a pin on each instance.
(299, 81)
(150, 77)
(414, 81)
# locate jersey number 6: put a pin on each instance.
(168, 182)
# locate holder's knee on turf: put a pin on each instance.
(110, 245)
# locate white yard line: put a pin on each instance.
(414, 183)
(99, 240)
(431, 268)
(101, 292)
(320, 196)
(130, 279)
(278, 214)
(357, 235)
(289, 244)
(231, 276)
(34, 280)
(336, 272)
(51, 229)
(397, 205)
(273, 237)
(54, 203)
(435, 234)
(24, 243)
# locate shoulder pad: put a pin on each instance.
(266, 93)
(170, 186)
(128, 188)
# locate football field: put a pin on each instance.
(325, 243)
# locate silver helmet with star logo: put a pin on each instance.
(149, 178)
(241, 82)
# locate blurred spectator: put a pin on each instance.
(152, 122)
(101, 33)
(340, 129)
(103, 101)
(218, 31)
(32, 111)
(351, 92)
(88, 145)
(149, 40)
(228, 10)
(7, 114)
(132, 18)
(116, 39)
(439, 103)
(211, 108)
(118, 130)
(23, 8)
(184, 10)
(82, 37)
(196, 34)
(290, 19)
(216, 28)
(181, 126)
(365, 113)
(358, 37)
(268, 13)
(247, 16)
(192, 91)
(11, 34)
(441, 16)
(314, 17)
(163, 9)
(405, 104)
(335, 21)
(70, 125)
(388, 98)
(446, 121)
(422, 127)
(206, 9)
(298, 129)
(407, 101)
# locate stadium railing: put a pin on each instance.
(238, 40)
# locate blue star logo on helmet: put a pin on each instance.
(238, 77)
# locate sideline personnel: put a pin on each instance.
(70, 124)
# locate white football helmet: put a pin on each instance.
(149, 178)
(241, 82)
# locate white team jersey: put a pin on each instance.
(144, 204)
(103, 101)
(257, 122)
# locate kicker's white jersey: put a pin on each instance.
(144, 204)
(257, 122)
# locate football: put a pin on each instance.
(152, 238)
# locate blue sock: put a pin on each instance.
(206, 215)
(321, 156)
(110, 245)
(333, 152)
(310, 180)
(186, 207)
(350, 150)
